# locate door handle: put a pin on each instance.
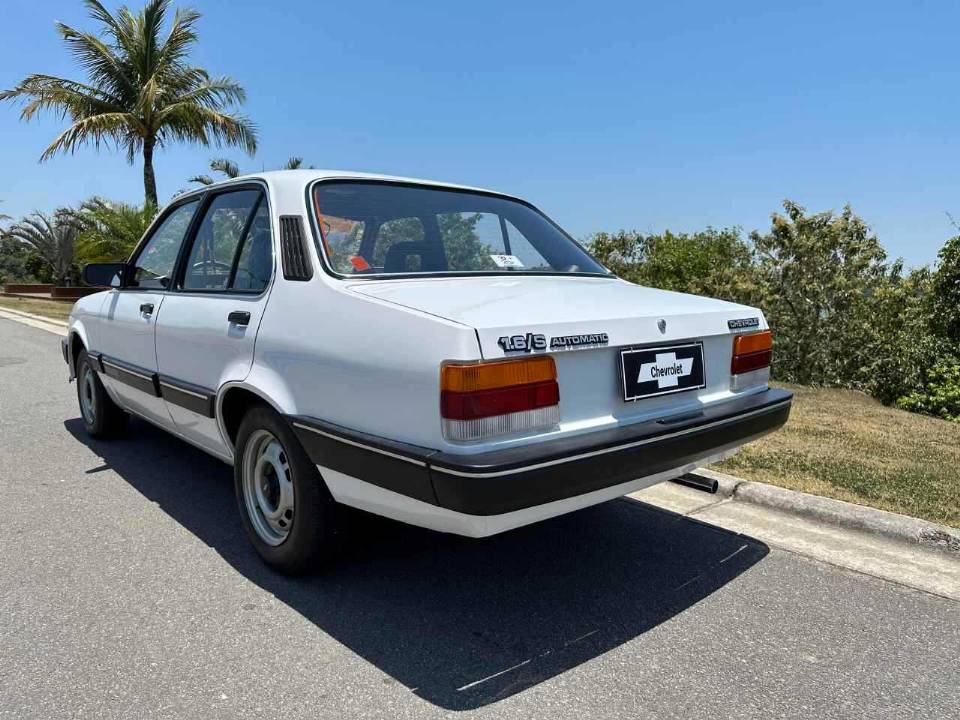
(146, 308)
(239, 317)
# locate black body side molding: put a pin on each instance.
(195, 398)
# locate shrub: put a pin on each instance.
(940, 396)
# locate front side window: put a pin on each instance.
(232, 248)
(154, 265)
(383, 228)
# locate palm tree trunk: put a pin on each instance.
(149, 181)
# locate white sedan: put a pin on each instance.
(441, 355)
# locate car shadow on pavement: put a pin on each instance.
(462, 623)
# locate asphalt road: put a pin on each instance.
(127, 589)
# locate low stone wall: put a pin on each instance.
(29, 288)
(73, 293)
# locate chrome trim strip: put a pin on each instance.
(360, 445)
(616, 448)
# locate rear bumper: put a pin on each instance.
(504, 481)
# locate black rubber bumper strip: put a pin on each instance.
(502, 481)
(395, 466)
(195, 398)
(132, 375)
(192, 397)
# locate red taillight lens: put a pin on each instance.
(751, 352)
(487, 403)
(480, 400)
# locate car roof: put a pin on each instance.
(296, 180)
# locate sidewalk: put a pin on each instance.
(845, 544)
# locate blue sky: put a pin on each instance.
(606, 115)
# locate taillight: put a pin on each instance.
(485, 399)
(751, 352)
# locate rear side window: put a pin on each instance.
(154, 265)
(390, 228)
(232, 249)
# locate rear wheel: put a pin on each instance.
(102, 417)
(286, 508)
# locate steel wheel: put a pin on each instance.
(88, 394)
(267, 484)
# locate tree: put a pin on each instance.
(230, 169)
(945, 291)
(820, 272)
(110, 230)
(223, 166)
(141, 93)
(52, 237)
(717, 263)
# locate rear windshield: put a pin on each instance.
(381, 228)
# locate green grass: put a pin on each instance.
(845, 445)
(47, 308)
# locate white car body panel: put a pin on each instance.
(127, 334)
(557, 306)
(365, 355)
(196, 344)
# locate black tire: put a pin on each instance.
(312, 536)
(102, 418)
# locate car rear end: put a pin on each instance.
(583, 387)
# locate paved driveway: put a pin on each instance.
(127, 589)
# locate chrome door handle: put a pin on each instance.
(146, 308)
(239, 317)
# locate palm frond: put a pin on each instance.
(53, 238)
(175, 49)
(201, 179)
(225, 166)
(103, 67)
(96, 130)
(194, 123)
(293, 163)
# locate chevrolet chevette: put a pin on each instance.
(437, 354)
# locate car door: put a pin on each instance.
(206, 332)
(128, 317)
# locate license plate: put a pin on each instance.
(648, 372)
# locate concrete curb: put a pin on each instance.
(836, 512)
(38, 318)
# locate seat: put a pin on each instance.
(431, 257)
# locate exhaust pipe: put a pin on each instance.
(698, 482)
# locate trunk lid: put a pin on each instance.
(591, 387)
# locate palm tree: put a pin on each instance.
(53, 238)
(220, 165)
(230, 169)
(110, 230)
(140, 92)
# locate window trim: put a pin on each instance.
(208, 197)
(161, 218)
(328, 267)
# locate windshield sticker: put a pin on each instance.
(507, 261)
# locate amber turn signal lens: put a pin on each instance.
(500, 374)
(751, 352)
(754, 342)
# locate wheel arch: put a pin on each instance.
(76, 341)
(233, 402)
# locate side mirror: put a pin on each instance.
(103, 274)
